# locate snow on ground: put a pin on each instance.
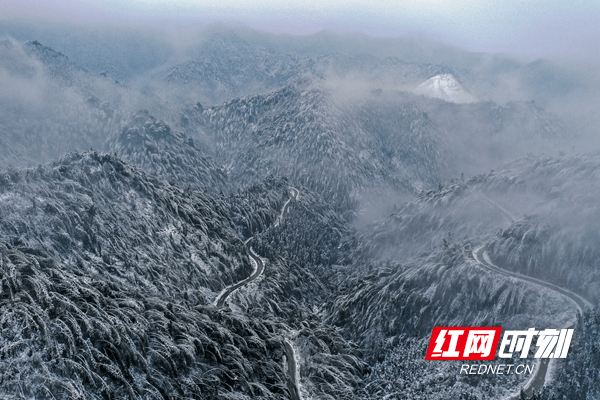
(445, 87)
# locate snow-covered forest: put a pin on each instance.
(140, 181)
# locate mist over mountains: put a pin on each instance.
(141, 178)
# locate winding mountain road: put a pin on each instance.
(483, 258)
(294, 196)
(259, 267)
(537, 381)
(480, 255)
(291, 364)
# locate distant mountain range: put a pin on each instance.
(226, 66)
(359, 173)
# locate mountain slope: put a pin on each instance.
(108, 276)
(153, 146)
(49, 105)
(384, 72)
(559, 240)
(445, 87)
(104, 289)
(225, 66)
(335, 147)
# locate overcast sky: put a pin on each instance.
(532, 28)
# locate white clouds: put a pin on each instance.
(535, 27)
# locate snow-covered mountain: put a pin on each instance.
(338, 147)
(226, 66)
(50, 106)
(115, 277)
(111, 261)
(166, 154)
(445, 87)
(535, 214)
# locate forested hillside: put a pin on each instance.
(259, 216)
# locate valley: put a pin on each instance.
(280, 217)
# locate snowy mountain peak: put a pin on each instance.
(445, 87)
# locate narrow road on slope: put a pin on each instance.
(537, 381)
(259, 267)
(291, 363)
(295, 193)
(481, 256)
